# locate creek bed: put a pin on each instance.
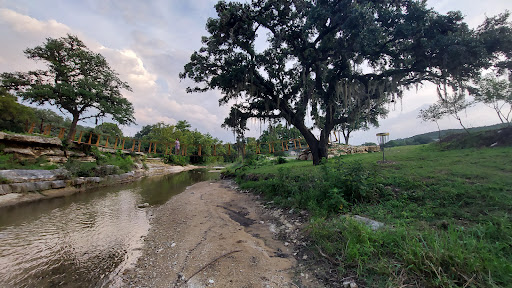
(83, 240)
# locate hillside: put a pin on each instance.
(433, 136)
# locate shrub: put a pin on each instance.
(281, 160)
(176, 159)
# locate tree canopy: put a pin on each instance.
(322, 55)
(13, 116)
(77, 80)
(497, 94)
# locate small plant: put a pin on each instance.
(4, 180)
(281, 160)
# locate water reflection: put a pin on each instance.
(83, 240)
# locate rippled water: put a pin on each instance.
(84, 240)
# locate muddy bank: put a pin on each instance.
(35, 189)
(211, 235)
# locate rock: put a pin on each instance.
(374, 225)
(21, 151)
(93, 179)
(55, 141)
(145, 205)
(43, 185)
(18, 176)
(353, 285)
(78, 181)
(58, 184)
(57, 159)
(23, 187)
(5, 189)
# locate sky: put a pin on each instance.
(149, 42)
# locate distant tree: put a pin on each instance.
(146, 129)
(433, 113)
(278, 132)
(497, 94)
(108, 129)
(453, 101)
(48, 117)
(183, 125)
(320, 54)
(364, 116)
(369, 144)
(77, 80)
(13, 115)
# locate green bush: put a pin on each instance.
(81, 169)
(176, 160)
(281, 160)
(9, 162)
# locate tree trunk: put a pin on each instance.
(346, 136)
(72, 129)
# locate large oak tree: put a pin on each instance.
(77, 80)
(321, 55)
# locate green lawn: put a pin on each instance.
(447, 213)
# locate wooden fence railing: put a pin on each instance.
(168, 148)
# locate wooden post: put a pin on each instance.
(294, 144)
(80, 137)
(273, 147)
(229, 149)
(31, 130)
(90, 138)
(149, 150)
(133, 146)
(300, 145)
(214, 150)
(115, 145)
(269, 147)
(286, 146)
(139, 146)
(106, 143)
(98, 141)
(122, 147)
(167, 149)
(243, 149)
(61, 133)
(154, 148)
(282, 145)
(199, 150)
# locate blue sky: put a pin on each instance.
(148, 42)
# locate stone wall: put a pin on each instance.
(33, 147)
(340, 149)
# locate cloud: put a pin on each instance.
(152, 102)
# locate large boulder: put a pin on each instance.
(50, 141)
(20, 176)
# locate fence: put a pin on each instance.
(166, 148)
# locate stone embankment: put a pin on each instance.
(33, 147)
(21, 186)
(340, 149)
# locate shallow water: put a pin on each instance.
(84, 240)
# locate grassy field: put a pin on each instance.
(447, 214)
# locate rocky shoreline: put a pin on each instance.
(26, 186)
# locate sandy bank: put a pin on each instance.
(211, 235)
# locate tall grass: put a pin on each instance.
(447, 213)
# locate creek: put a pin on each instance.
(84, 240)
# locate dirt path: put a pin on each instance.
(213, 236)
